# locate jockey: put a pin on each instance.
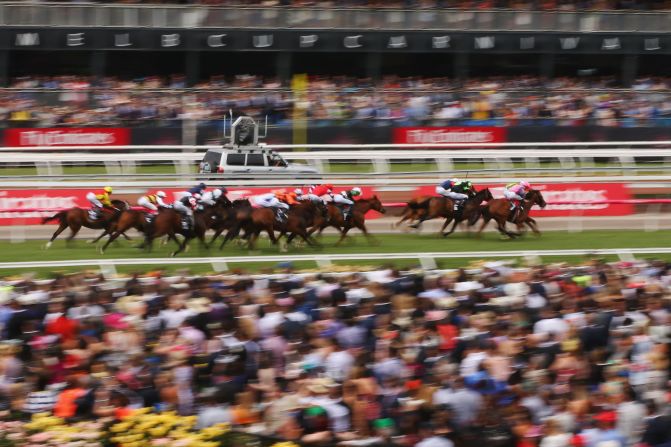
(100, 201)
(299, 194)
(153, 202)
(346, 199)
(185, 206)
(269, 200)
(198, 189)
(515, 192)
(320, 193)
(211, 197)
(454, 189)
(290, 198)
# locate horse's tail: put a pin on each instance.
(59, 215)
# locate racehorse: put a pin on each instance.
(169, 223)
(75, 218)
(226, 217)
(499, 210)
(127, 220)
(414, 209)
(310, 214)
(438, 206)
(254, 221)
(469, 212)
(357, 218)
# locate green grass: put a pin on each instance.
(334, 168)
(98, 170)
(32, 250)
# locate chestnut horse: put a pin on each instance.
(499, 210)
(75, 218)
(357, 218)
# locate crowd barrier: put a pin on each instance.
(427, 260)
(396, 205)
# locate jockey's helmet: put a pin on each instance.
(161, 194)
(525, 184)
(356, 191)
(108, 189)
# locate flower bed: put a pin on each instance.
(142, 428)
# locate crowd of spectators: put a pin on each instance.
(547, 356)
(79, 101)
(543, 5)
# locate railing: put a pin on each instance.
(163, 16)
(427, 260)
(577, 157)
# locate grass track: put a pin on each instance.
(388, 243)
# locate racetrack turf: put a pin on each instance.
(33, 250)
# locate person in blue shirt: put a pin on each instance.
(198, 189)
(606, 435)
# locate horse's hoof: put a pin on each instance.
(47, 245)
(173, 254)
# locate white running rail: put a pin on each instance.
(427, 260)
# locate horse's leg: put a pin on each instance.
(123, 233)
(58, 231)
(343, 234)
(485, 221)
(445, 224)
(74, 229)
(106, 232)
(271, 234)
(501, 225)
(531, 223)
(454, 226)
(181, 247)
(217, 233)
(371, 239)
(111, 239)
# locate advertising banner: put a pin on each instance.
(30, 200)
(441, 135)
(67, 136)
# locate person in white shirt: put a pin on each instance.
(339, 363)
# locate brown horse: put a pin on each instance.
(225, 218)
(311, 214)
(469, 212)
(254, 221)
(499, 210)
(357, 218)
(438, 206)
(169, 223)
(415, 209)
(129, 219)
(76, 218)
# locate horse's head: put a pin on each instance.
(484, 195)
(376, 205)
(535, 196)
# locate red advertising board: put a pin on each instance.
(52, 199)
(55, 199)
(441, 135)
(85, 136)
(561, 194)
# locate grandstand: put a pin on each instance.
(560, 339)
